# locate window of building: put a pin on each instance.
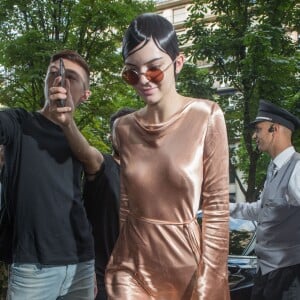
(179, 15)
(166, 14)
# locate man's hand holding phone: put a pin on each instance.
(61, 109)
(61, 102)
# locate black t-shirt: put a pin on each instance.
(101, 198)
(50, 223)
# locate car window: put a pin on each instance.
(242, 235)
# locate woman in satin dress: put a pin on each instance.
(174, 160)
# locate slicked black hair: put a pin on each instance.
(147, 26)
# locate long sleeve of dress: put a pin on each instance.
(123, 194)
(215, 200)
(123, 204)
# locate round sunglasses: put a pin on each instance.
(154, 74)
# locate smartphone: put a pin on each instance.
(61, 102)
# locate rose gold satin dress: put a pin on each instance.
(167, 170)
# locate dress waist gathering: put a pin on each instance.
(159, 221)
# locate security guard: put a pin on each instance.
(277, 212)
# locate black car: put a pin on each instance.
(242, 261)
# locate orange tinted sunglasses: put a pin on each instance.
(153, 74)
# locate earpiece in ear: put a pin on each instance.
(271, 129)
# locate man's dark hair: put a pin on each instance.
(119, 113)
(74, 57)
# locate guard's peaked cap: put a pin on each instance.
(270, 112)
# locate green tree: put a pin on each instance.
(32, 30)
(195, 82)
(248, 48)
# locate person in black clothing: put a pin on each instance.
(101, 188)
(45, 235)
(101, 199)
(1, 166)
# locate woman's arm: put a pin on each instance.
(215, 207)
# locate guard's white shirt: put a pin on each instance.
(249, 211)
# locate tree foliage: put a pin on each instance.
(195, 82)
(32, 30)
(248, 45)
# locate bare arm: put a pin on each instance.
(90, 157)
